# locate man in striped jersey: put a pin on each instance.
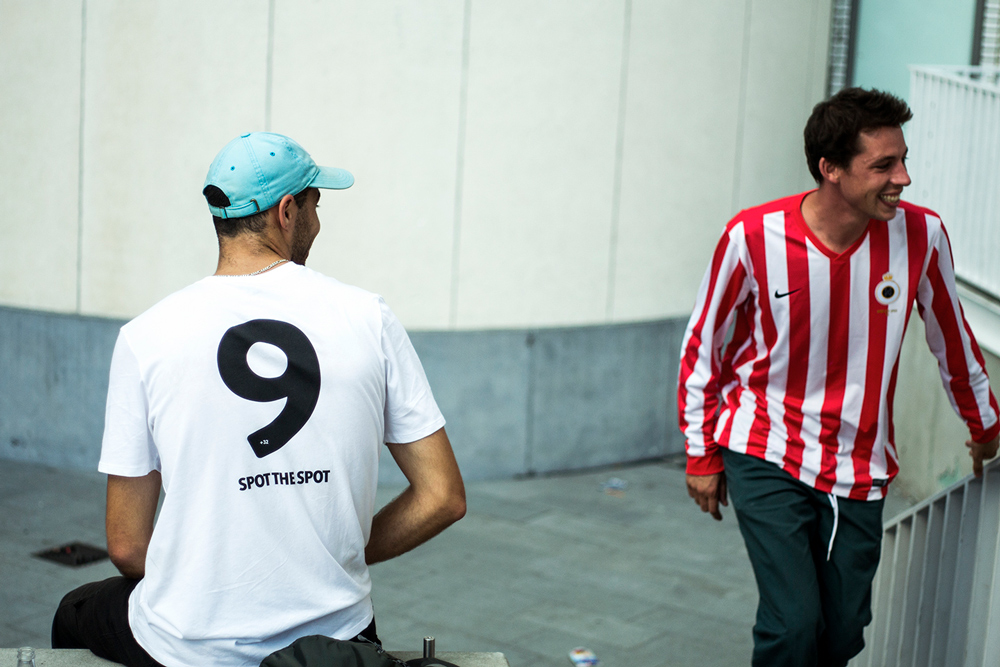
(793, 414)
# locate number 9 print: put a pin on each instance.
(299, 383)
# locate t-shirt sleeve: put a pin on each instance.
(127, 448)
(411, 413)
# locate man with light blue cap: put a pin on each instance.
(258, 399)
(253, 175)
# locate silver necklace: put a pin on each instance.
(269, 266)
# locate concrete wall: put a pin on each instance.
(518, 164)
(893, 34)
(53, 384)
(517, 402)
(555, 172)
(930, 437)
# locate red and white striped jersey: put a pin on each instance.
(807, 379)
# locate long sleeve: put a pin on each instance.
(723, 288)
(949, 337)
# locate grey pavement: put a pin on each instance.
(84, 658)
(537, 567)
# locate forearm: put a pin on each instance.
(697, 419)
(410, 520)
(131, 509)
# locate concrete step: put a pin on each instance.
(459, 658)
(71, 657)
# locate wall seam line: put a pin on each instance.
(671, 405)
(80, 158)
(811, 69)
(463, 103)
(529, 417)
(616, 191)
(269, 67)
(740, 119)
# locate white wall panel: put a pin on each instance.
(539, 162)
(374, 88)
(167, 85)
(716, 96)
(785, 78)
(679, 151)
(39, 128)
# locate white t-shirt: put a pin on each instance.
(269, 474)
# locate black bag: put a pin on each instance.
(320, 651)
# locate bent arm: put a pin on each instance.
(434, 500)
(960, 361)
(129, 521)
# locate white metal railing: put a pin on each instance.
(954, 141)
(936, 596)
(989, 47)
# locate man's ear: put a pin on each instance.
(829, 171)
(287, 210)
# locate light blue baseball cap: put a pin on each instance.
(254, 171)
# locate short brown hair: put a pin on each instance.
(250, 224)
(833, 128)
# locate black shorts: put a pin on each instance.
(95, 616)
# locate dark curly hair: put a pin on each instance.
(833, 128)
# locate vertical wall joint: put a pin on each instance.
(463, 103)
(269, 66)
(79, 182)
(616, 193)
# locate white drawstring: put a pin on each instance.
(836, 519)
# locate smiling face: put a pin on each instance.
(873, 181)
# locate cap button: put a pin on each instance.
(244, 136)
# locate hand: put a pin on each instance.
(980, 451)
(710, 490)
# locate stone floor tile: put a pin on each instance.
(538, 566)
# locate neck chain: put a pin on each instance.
(259, 271)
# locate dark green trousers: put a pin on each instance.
(812, 611)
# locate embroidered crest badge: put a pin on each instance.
(887, 291)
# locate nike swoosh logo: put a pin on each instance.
(777, 295)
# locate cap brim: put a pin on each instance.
(332, 178)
